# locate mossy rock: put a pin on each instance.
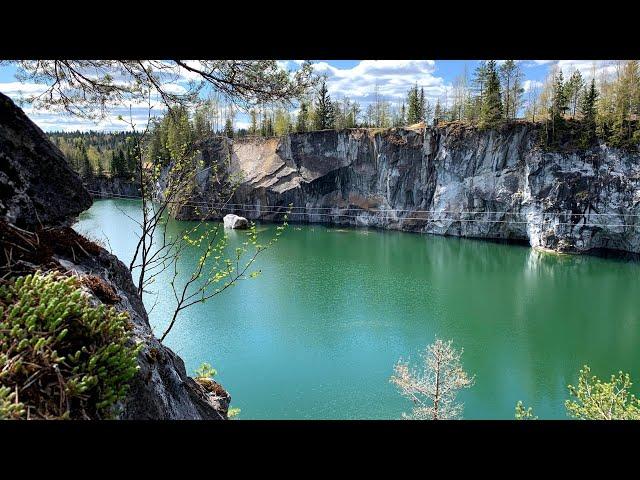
(61, 355)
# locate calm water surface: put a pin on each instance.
(317, 334)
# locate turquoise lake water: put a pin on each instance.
(317, 334)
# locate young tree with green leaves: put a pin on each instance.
(593, 399)
(282, 122)
(523, 413)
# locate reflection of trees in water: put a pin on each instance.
(578, 309)
(526, 319)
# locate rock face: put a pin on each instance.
(161, 390)
(234, 221)
(39, 195)
(453, 180)
(36, 184)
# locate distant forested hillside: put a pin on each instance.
(98, 153)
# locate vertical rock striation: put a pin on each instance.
(453, 180)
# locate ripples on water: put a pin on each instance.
(317, 334)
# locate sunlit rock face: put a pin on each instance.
(37, 187)
(454, 180)
(39, 197)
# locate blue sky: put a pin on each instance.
(356, 79)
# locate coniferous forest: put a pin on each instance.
(566, 105)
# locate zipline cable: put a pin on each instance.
(276, 209)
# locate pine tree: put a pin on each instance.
(627, 89)
(85, 163)
(301, 122)
(413, 106)
(421, 106)
(354, 111)
(324, 109)
(478, 85)
(574, 89)
(228, 128)
(253, 129)
(118, 164)
(559, 105)
(508, 73)
(492, 109)
(437, 113)
(588, 111)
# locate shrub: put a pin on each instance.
(594, 399)
(61, 357)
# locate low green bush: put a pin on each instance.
(61, 357)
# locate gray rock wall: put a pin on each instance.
(36, 184)
(454, 180)
(40, 194)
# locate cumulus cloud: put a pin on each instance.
(17, 89)
(529, 84)
(536, 63)
(392, 77)
(587, 67)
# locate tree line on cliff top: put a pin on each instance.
(605, 106)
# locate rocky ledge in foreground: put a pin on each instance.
(39, 197)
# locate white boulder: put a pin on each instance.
(235, 221)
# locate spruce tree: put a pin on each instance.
(87, 169)
(413, 106)
(253, 129)
(228, 128)
(437, 113)
(324, 109)
(301, 122)
(574, 89)
(588, 111)
(492, 109)
(559, 105)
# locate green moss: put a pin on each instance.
(61, 357)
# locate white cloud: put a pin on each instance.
(587, 67)
(529, 84)
(543, 62)
(16, 89)
(392, 77)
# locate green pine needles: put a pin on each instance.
(60, 356)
